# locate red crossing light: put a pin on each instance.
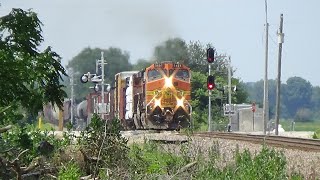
(210, 82)
(210, 55)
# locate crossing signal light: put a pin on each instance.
(210, 82)
(210, 55)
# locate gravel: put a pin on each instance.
(306, 163)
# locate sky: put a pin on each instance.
(234, 27)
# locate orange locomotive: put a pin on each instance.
(155, 98)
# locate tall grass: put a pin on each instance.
(150, 161)
(300, 126)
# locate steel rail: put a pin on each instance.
(276, 141)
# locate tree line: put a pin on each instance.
(299, 100)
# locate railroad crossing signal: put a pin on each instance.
(210, 55)
(210, 82)
(253, 107)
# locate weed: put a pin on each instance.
(71, 172)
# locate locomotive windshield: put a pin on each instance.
(182, 74)
(154, 74)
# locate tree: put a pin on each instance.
(298, 94)
(29, 77)
(315, 98)
(303, 115)
(85, 62)
(255, 92)
(141, 64)
(175, 50)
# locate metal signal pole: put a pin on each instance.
(280, 41)
(102, 86)
(209, 115)
(72, 95)
(229, 90)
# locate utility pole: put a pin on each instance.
(209, 115)
(280, 41)
(265, 85)
(229, 91)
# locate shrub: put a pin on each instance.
(103, 146)
(71, 172)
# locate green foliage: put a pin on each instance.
(197, 56)
(10, 115)
(298, 99)
(315, 99)
(316, 134)
(28, 137)
(141, 64)
(268, 164)
(150, 159)
(172, 50)
(303, 115)
(28, 77)
(102, 139)
(298, 94)
(71, 172)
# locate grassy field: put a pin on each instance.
(300, 126)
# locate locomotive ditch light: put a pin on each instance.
(168, 82)
(157, 102)
(179, 102)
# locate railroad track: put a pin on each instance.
(277, 141)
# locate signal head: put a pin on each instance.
(210, 55)
(210, 82)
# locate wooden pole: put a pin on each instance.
(60, 120)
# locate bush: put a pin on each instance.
(316, 134)
(71, 172)
(149, 159)
(103, 146)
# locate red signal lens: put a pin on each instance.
(210, 82)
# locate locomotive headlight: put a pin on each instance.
(168, 82)
(179, 102)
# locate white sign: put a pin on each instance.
(103, 108)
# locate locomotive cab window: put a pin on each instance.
(182, 74)
(154, 74)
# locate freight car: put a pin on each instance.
(157, 97)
